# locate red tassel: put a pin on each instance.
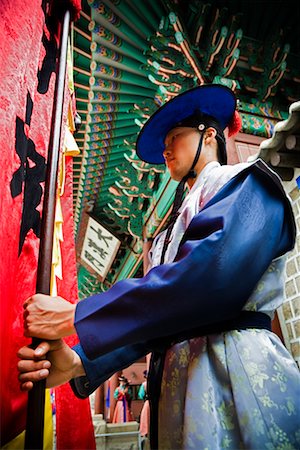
(235, 124)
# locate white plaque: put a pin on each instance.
(99, 248)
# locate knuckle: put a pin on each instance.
(22, 366)
(20, 352)
(22, 377)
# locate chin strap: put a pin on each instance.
(179, 198)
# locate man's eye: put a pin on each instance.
(171, 140)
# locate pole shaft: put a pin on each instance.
(36, 397)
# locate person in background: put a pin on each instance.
(218, 377)
(123, 395)
(145, 412)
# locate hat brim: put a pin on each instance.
(213, 100)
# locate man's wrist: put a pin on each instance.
(69, 324)
(78, 369)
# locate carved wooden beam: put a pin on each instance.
(292, 142)
(285, 159)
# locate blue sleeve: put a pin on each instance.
(224, 252)
(100, 369)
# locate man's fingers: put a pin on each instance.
(31, 371)
(29, 367)
(30, 353)
(26, 303)
(26, 386)
(33, 366)
(25, 353)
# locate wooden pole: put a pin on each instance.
(36, 398)
(99, 407)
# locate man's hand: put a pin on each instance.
(48, 317)
(61, 364)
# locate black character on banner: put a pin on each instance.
(31, 173)
(50, 45)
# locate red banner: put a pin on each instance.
(24, 135)
(27, 65)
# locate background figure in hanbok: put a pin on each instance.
(123, 395)
(145, 412)
(218, 377)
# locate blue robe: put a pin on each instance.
(210, 281)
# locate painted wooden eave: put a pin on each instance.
(282, 150)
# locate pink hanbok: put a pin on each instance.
(145, 412)
(122, 412)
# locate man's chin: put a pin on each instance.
(175, 176)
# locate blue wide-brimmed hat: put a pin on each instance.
(211, 100)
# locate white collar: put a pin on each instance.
(204, 174)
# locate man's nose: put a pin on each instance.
(167, 150)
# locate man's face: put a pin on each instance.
(180, 148)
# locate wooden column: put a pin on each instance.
(99, 405)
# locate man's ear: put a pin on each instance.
(209, 135)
